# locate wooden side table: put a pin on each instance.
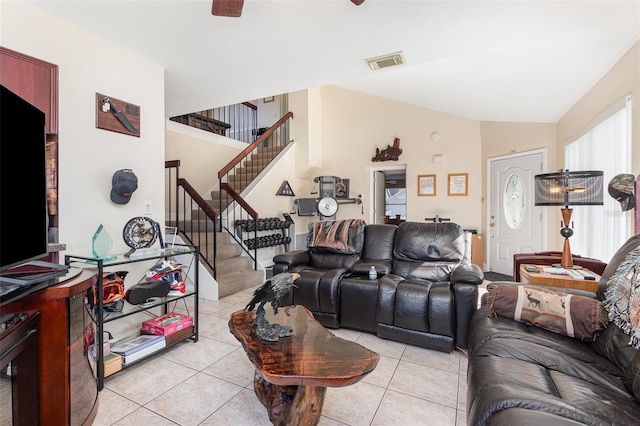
(557, 280)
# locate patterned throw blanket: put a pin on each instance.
(572, 315)
(341, 236)
(622, 298)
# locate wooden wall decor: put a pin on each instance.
(36, 81)
(389, 153)
(117, 116)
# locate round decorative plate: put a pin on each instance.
(327, 206)
(140, 232)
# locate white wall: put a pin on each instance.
(88, 156)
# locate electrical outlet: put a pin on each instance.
(147, 207)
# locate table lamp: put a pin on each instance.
(566, 188)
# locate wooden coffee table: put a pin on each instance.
(556, 280)
(292, 374)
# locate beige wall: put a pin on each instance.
(201, 154)
(502, 139)
(336, 132)
(88, 156)
(355, 124)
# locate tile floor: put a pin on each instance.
(211, 383)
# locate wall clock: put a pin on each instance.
(327, 206)
(140, 232)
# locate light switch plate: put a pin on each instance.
(147, 207)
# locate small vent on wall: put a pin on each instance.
(385, 61)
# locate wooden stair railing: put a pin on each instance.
(199, 230)
(275, 138)
(249, 149)
(238, 210)
(239, 121)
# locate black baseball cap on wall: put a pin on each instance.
(124, 183)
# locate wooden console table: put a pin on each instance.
(292, 374)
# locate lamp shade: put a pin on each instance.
(569, 189)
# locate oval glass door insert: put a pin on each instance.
(513, 203)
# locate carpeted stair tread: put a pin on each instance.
(230, 252)
(233, 264)
(233, 283)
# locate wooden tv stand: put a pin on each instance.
(68, 389)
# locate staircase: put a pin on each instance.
(251, 167)
(232, 265)
(234, 270)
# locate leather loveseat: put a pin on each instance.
(522, 374)
(425, 294)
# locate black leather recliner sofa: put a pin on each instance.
(523, 375)
(425, 294)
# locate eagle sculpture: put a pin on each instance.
(273, 290)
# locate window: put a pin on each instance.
(513, 202)
(600, 230)
(396, 202)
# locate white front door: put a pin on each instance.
(515, 223)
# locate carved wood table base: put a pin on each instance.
(290, 405)
(292, 374)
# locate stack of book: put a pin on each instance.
(138, 347)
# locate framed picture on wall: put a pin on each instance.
(458, 184)
(426, 185)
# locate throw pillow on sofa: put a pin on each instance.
(340, 236)
(569, 314)
(622, 297)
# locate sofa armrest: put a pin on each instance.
(362, 267)
(468, 274)
(568, 290)
(286, 261)
(293, 258)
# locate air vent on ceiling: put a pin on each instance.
(385, 61)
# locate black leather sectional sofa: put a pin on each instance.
(523, 375)
(425, 294)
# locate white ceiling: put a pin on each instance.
(527, 61)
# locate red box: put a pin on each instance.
(167, 324)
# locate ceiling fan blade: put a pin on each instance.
(357, 2)
(228, 8)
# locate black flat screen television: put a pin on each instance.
(23, 184)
